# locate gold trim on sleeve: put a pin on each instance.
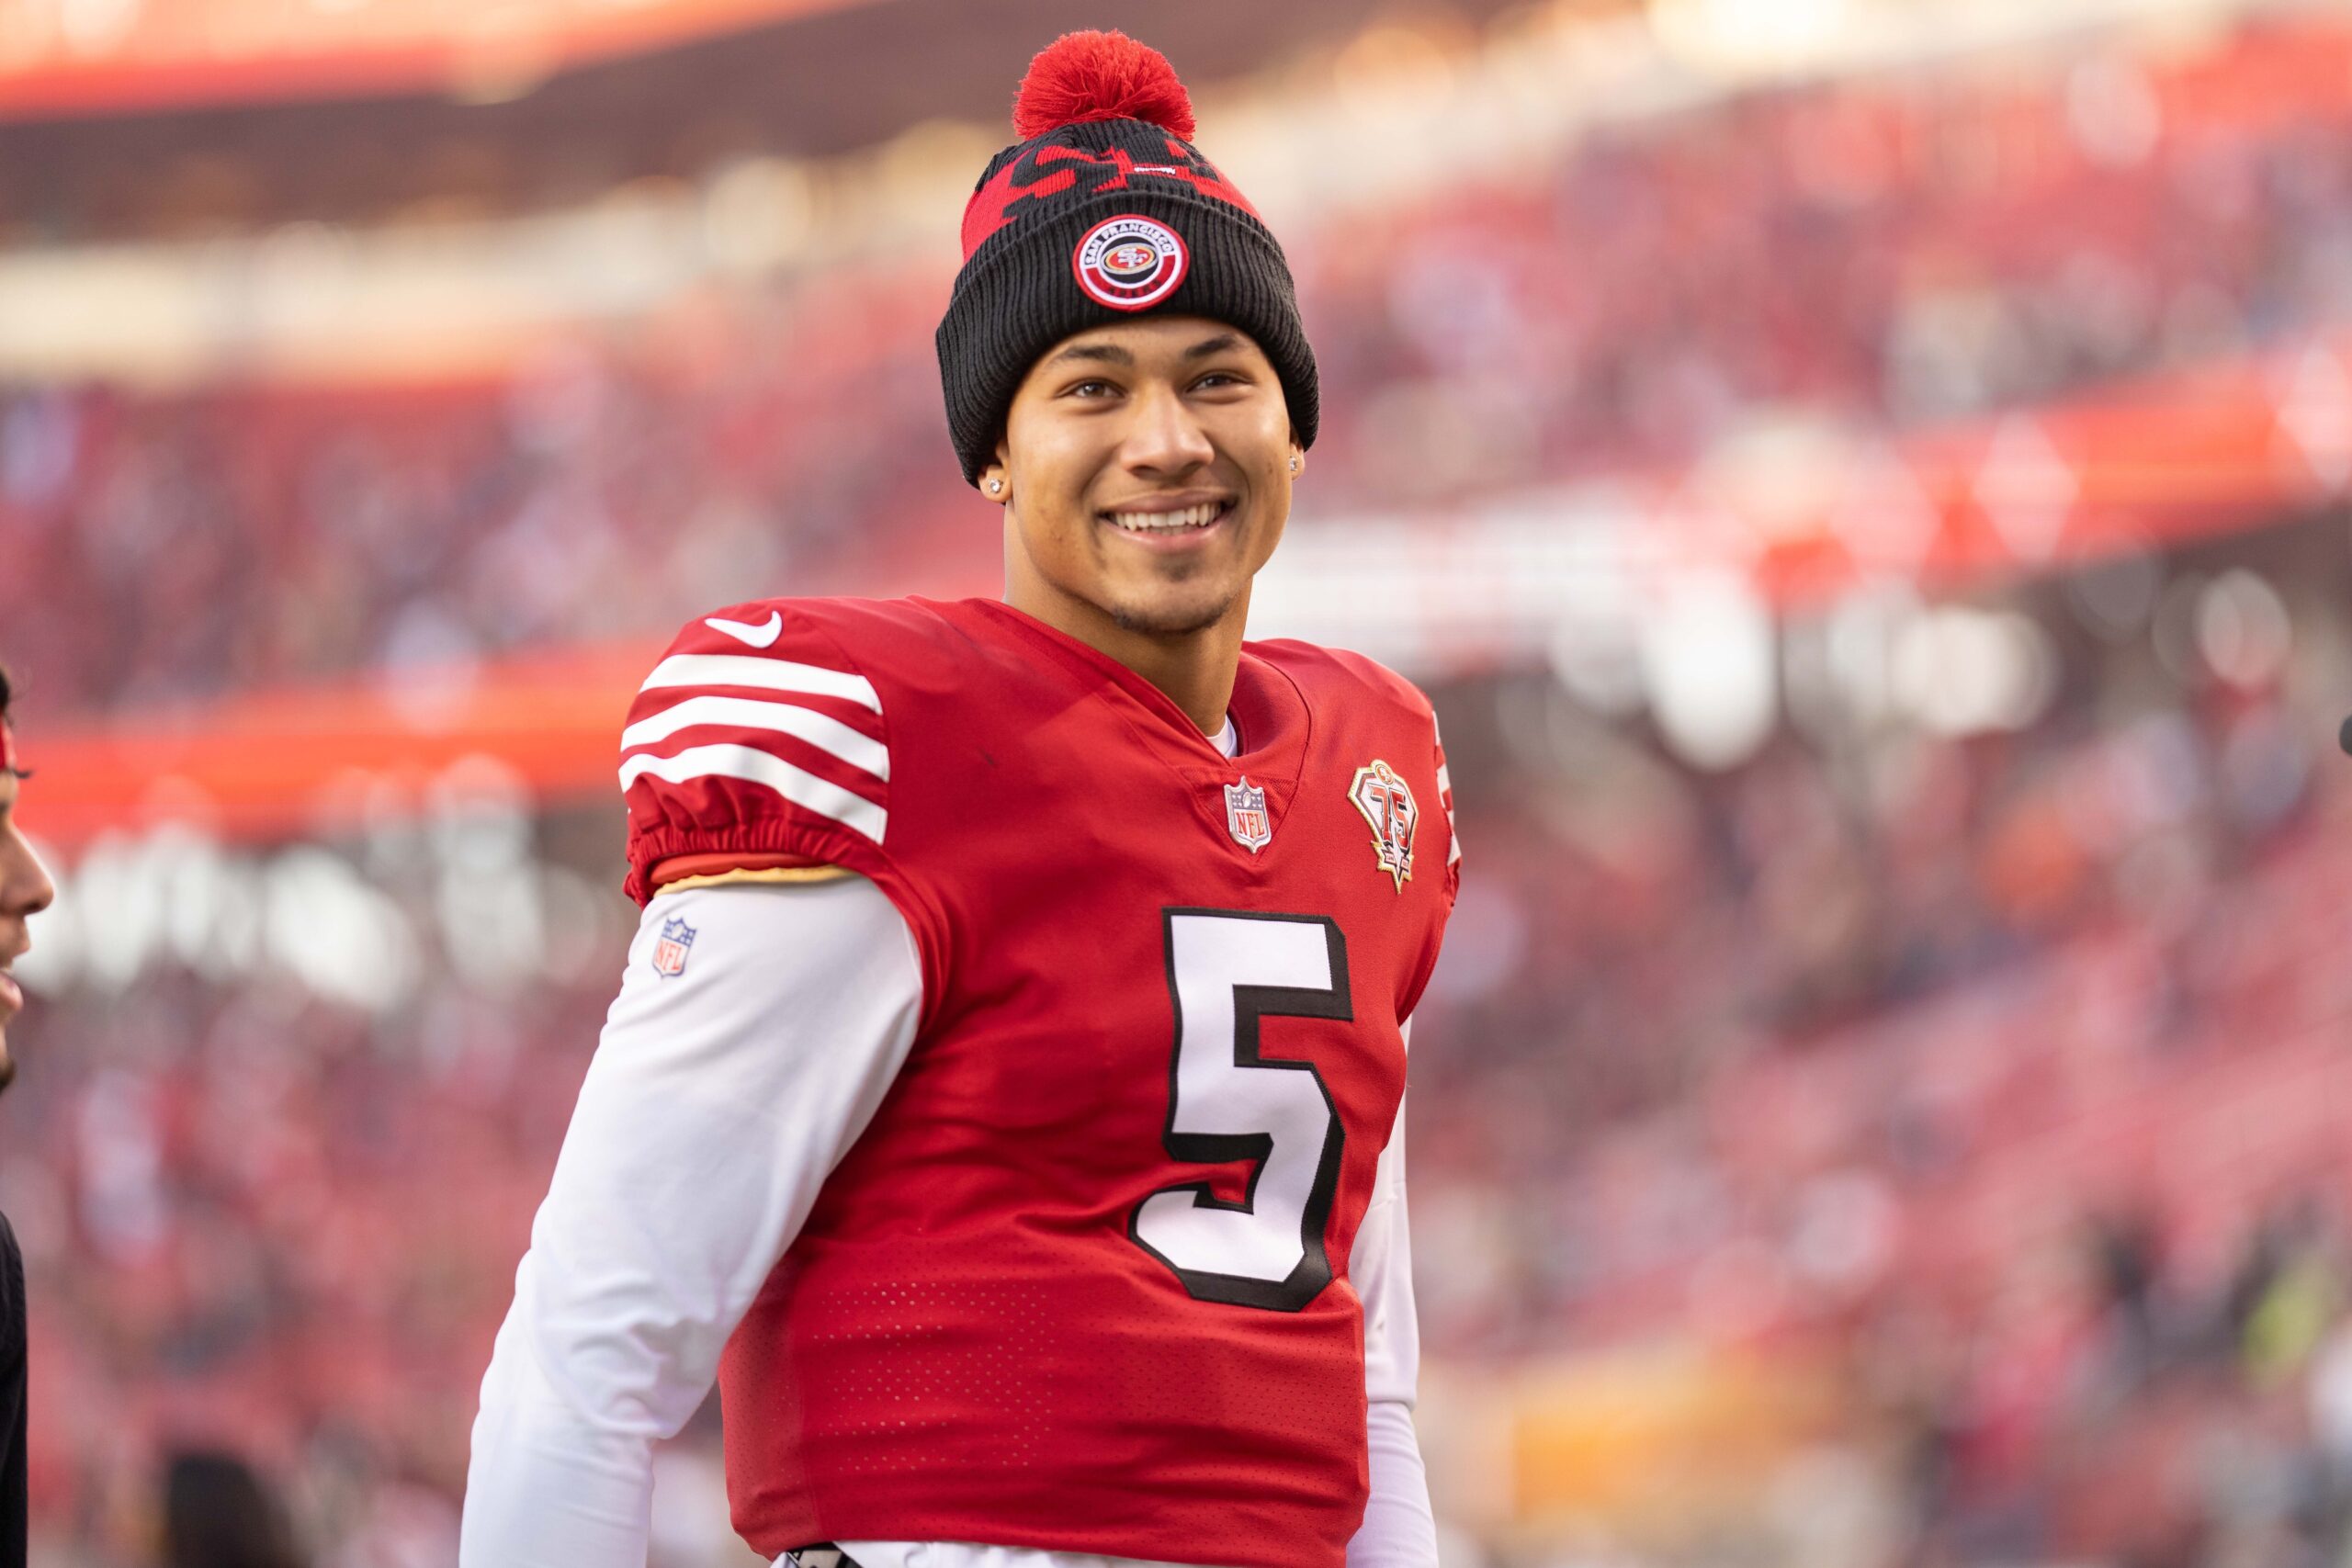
(771, 873)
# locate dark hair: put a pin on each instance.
(217, 1513)
(6, 693)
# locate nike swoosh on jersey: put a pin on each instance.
(761, 635)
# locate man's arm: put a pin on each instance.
(1399, 1530)
(719, 1099)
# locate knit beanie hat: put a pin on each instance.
(1103, 210)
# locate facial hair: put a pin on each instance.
(1157, 620)
(1169, 623)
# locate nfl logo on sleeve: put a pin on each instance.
(670, 951)
(1244, 815)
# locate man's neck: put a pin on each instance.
(1194, 669)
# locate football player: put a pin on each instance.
(1002, 1098)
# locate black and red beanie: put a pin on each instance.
(1103, 210)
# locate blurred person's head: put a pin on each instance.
(218, 1514)
(25, 887)
(1123, 363)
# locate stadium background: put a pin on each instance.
(1863, 481)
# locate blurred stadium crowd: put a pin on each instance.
(1900, 1148)
(1889, 254)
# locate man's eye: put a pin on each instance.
(1093, 390)
(1218, 377)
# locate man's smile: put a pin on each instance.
(1171, 522)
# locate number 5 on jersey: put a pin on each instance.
(1226, 971)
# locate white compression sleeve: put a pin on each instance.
(1399, 1530)
(718, 1100)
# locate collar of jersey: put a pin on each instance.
(1266, 706)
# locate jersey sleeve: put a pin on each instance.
(1448, 870)
(758, 743)
(1445, 802)
(1411, 710)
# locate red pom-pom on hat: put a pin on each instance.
(1098, 76)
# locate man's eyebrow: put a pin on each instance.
(1107, 353)
(1217, 344)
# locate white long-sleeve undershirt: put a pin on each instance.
(718, 1101)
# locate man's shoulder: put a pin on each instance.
(774, 732)
(868, 661)
(838, 630)
(1339, 675)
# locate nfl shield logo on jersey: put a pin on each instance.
(1387, 804)
(670, 950)
(1245, 815)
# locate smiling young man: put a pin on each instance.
(25, 891)
(1004, 1096)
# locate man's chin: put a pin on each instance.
(1170, 619)
(1187, 600)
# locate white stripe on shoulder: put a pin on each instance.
(795, 785)
(770, 674)
(828, 735)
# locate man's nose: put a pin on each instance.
(1165, 438)
(25, 887)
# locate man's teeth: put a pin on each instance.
(1199, 516)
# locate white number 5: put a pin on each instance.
(1226, 970)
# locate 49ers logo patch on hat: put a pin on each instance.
(1129, 262)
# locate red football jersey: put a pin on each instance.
(1083, 1283)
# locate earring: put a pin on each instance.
(1294, 464)
(996, 486)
